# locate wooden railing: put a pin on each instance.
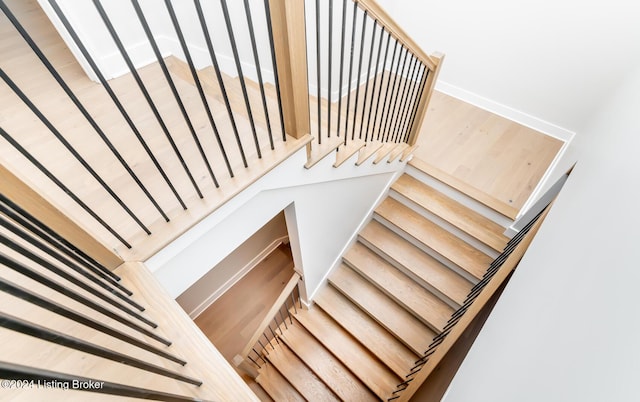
(383, 82)
(70, 321)
(462, 318)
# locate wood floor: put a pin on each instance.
(499, 158)
(232, 319)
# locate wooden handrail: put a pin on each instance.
(286, 292)
(458, 330)
(384, 19)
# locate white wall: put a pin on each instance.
(233, 267)
(547, 63)
(324, 208)
(567, 326)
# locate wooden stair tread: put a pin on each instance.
(397, 151)
(441, 241)
(368, 151)
(416, 262)
(460, 216)
(347, 151)
(408, 152)
(320, 151)
(326, 367)
(478, 195)
(384, 152)
(299, 375)
(277, 386)
(372, 335)
(420, 302)
(373, 373)
(408, 329)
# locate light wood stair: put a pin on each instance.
(464, 218)
(393, 293)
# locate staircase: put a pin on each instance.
(410, 269)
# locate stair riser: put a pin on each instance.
(410, 274)
(467, 238)
(460, 197)
(451, 265)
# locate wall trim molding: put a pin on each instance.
(238, 275)
(505, 111)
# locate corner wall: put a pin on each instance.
(324, 208)
(566, 327)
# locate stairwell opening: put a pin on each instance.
(230, 301)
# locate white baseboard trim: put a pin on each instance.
(505, 111)
(239, 275)
(537, 191)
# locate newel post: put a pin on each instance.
(289, 37)
(423, 106)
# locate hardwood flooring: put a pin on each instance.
(495, 156)
(232, 319)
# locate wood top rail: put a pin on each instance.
(458, 330)
(293, 282)
(383, 18)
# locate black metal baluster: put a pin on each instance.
(318, 73)
(412, 99)
(115, 100)
(72, 279)
(373, 87)
(384, 64)
(256, 59)
(330, 45)
(216, 67)
(385, 111)
(253, 361)
(29, 221)
(403, 98)
(29, 328)
(425, 77)
(396, 94)
(275, 67)
(80, 106)
(38, 300)
(353, 38)
(343, 32)
(262, 346)
(243, 86)
(70, 148)
(16, 266)
(165, 71)
(366, 88)
(51, 252)
(355, 108)
(64, 188)
(13, 371)
(145, 92)
(273, 333)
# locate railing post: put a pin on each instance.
(24, 196)
(289, 36)
(429, 86)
